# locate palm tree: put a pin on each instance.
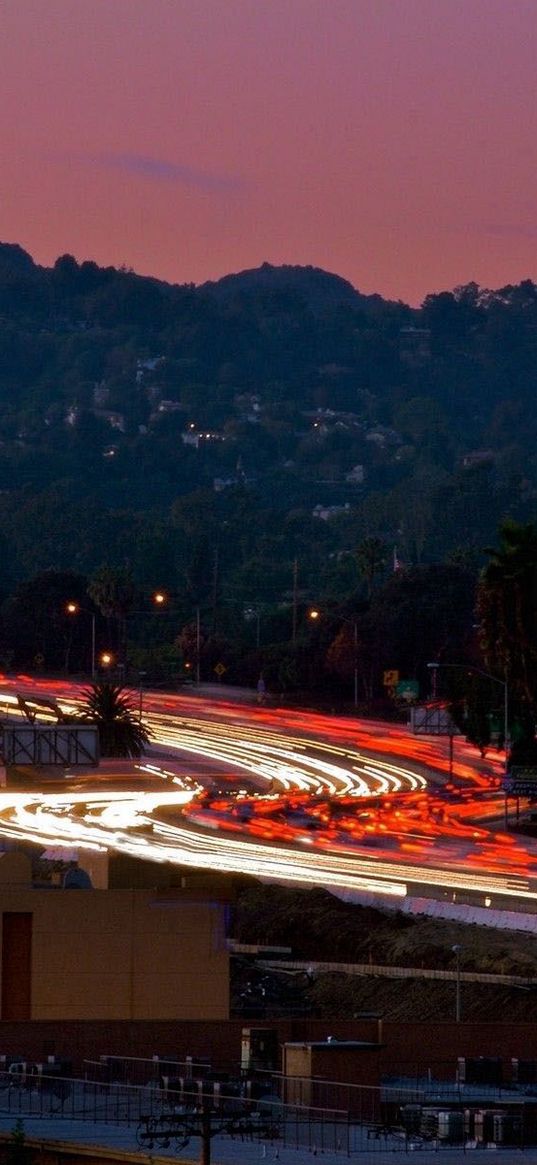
(371, 560)
(121, 732)
(114, 594)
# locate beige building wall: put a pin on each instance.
(118, 954)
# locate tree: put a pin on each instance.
(345, 657)
(121, 732)
(114, 593)
(473, 703)
(507, 612)
(37, 625)
(507, 607)
(420, 614)
(371, 559)
(18, 1152)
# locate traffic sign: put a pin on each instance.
(220, 669)
(407, 689)
(523, 772)
(391, 678)
(521, 781)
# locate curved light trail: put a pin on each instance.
(307, 795)
(286, 762)
(115, 821)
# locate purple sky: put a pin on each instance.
(390, 141)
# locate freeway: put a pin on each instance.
(297, 797)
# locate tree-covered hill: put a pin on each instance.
(208, 439)
(310, 285)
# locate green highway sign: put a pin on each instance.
(407, 689)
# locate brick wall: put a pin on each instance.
(406, 1047)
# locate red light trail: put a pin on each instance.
(288, 795)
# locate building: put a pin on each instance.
(315, 1070)
(118, 954)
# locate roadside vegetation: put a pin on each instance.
(121, 731)
(258, 446)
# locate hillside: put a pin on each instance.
(318, 928)
(207, 439)
(316, 925)
(310, 286)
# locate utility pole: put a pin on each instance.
(198, 645)
(295, 598)
(141, 677)
(355, 645)
(215, 585)
(457, 952)
(93, 646)
(206, 1132)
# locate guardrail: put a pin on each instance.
(388, 972)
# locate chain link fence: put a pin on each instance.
(167, 1109)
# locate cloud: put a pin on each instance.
(510, 230)
(161, 170)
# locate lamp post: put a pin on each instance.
(141, 678)
(469, 667)
(198, 645)
(73, 608)
(314, 614)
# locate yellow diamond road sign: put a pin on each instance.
(220, 669)
(391, 678)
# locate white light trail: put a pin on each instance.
(114, 822)
(132, 821)
(267, 754)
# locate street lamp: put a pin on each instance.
(106, 659)
(73, 608)
(469, 667)
(314, 614)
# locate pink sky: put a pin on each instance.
(391, 141)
